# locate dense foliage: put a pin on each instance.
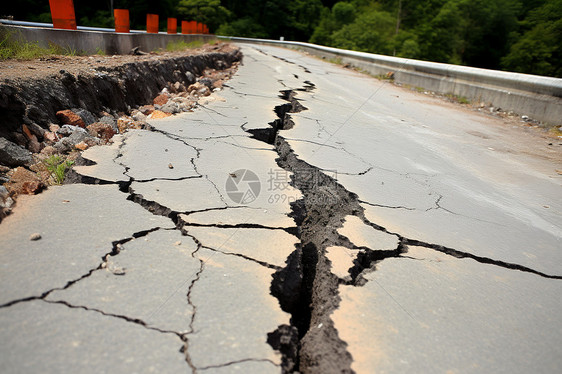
(522, 36)
(518, 35)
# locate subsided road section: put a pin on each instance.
(379, 230)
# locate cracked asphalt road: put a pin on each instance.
(389, 232)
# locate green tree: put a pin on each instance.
(209, 12)
(304, 17)
(539, 49)
(370, 32)
(472, 32)
(341, 14)
(244, 27)
(344, 13)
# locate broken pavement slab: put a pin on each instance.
(229, 328)
(270, 216)
(268, 246)
(77, 230)
(156, 272)
(54, 338)
(363, 235)
(430, 312)
(342, 260)
(105, 168)
(180, 195)
(148, 154)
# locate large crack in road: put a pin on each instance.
(306, 287)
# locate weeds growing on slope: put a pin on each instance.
(13, 47)
(58, 167)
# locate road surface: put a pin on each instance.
(306, 218)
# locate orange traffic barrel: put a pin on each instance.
(62, 13)
(205, 29)
(184, 27)
(152, 23)
(191, 27)
(172, 26)
(199, 28)
(121, 20)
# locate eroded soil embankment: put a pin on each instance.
(114, 88)
(46, 117)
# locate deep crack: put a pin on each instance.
(306, 288)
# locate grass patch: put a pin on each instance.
(556, 131)
(180, 45)
(58, 167)
(458, 99)
(55, 49)
(463, 100)
(13, 48)
(335, 60)
(384, 77)
(25, 51)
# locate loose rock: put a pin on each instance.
(12, 154)
(81, 146)
(50, 137)
(35, 236)
(146, 109)
(34, 146)
(86, 116)
(171, 108)
(102, 131)
(207, 82)
(67, 130)
(161, 99)
(138, 116)
(27, 132)
(67, 144)
(199, 89)
(49, 151)
(158, 114)
(125, 123)
(68, 117)
(37, 130)
(24, 181)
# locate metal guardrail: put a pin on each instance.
(81, 28)
(516, 81)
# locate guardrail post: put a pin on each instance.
(172, 26)
(62, 13)
(121, 20)
(152, 23)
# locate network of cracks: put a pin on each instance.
(306, 286)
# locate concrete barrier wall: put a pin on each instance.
(535, 96)
(92, 42)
